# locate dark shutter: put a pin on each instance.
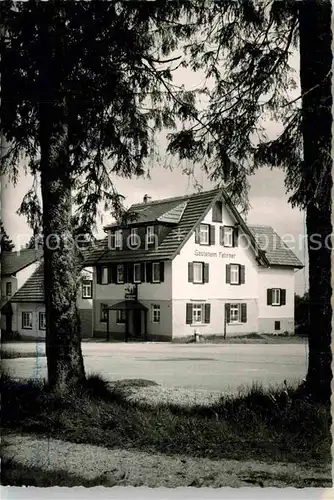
(130, 273)
(244, 313)
(228, 273)
(189, 314)
(221, 235)
(141, 233)
(98, 275)
(149, 272)
(162, 271)
(142, 272)
(269, 296)
(212, 235)
(190, 272)
(227, 313)
(283, 297)
(114, 273)
(235, 236)
(242, 275)
(126, 273)
(207, 311)
(197, 234)
(205, 273)
(109, 274)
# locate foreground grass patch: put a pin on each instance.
(262, 425)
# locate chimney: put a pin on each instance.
(146, 198)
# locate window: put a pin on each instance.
(116, 239)
(27, 320)
(137, 273)
(228, 236)
(234, 274)
(236, 313)
(198, 272)
(42, 321)
(217, 212)
(104, 313)
(277, 325)
(204, 234)
(120, 273)
(120, 316)
(8, 288)
(198, 313)
(276, 297)
(156, 272)
(104, 279)
(155, 313)
(150, 235)
(86, 289)
(134, 236)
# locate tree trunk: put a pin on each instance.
(63, 342)
(315, 67)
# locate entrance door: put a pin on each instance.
(9, 321)
(136, 314)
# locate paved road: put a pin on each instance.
(216, 367)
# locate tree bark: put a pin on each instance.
(63, 339)
(315, 67)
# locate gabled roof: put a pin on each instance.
(13, 262)
(276, 251)
(186, 212)
(193, 206)
(33, 288)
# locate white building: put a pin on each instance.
(23, 310)
(190, 265)
(16, 269)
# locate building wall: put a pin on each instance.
(276, 278)
(155, 331)
(216, 292)
(35, 308)
(217, 319)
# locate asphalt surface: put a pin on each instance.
(215, 367)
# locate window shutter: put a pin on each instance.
(162, 272)
(205, 272)
(228, 273)
(207, 311)
(197, 235)
(114, 273)
(269, 297)
(227, 313)
(142, 272)
(214, 213)
(283, 297)
(235, 236)
(221, 235)
(244, 313)
(189, 314)
(149, 272)
(98, 275)
(190, 272)
(242, 275)
(212, 235)
(109, 275)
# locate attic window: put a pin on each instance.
(204, 235)
(217, 212)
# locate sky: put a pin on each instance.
(268, 197)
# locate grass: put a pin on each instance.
(270, 426)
